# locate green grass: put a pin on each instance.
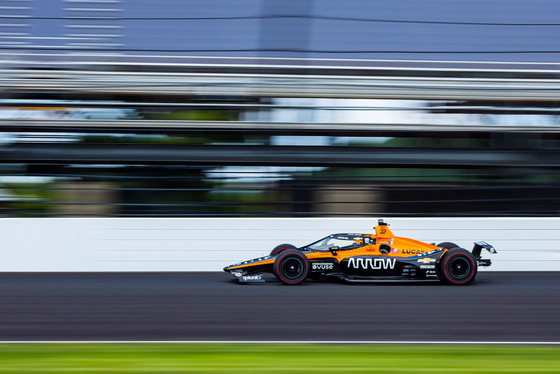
(276, 358)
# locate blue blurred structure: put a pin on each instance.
(498, 30)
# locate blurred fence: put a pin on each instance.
(268, 77)
(268, 192)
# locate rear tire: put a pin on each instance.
(281, 248)
(448, 245)
(458, 267)
(291, 267)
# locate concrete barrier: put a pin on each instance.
(208, 244)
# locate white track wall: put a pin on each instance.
(209, 244)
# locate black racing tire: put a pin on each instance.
(281, 248)
(458, 266)
(291, 267)
(448, 245)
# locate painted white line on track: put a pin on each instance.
(431, 342)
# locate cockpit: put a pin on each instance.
(342, 241)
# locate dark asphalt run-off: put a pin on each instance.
(498, 307)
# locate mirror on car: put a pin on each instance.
(333, 249)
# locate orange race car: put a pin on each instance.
(379, 257)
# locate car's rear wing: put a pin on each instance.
(477, 249)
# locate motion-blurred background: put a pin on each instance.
(288, 108)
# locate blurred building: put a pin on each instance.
(279, 108)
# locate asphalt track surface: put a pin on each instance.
(212, 306)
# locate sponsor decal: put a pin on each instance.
(257, 278)
(322, 266)
(427, 266)
(427, 260)
(395, 250)
(252, 277)
(371, 263)
(352, 236)
(412, 251)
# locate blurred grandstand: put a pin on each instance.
(294, 109)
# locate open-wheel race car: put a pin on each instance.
(379, 257)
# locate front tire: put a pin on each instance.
(291, 267)
(458, 267)
(281, 248)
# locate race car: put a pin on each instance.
(379, 257)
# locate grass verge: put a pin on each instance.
(275, 358)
